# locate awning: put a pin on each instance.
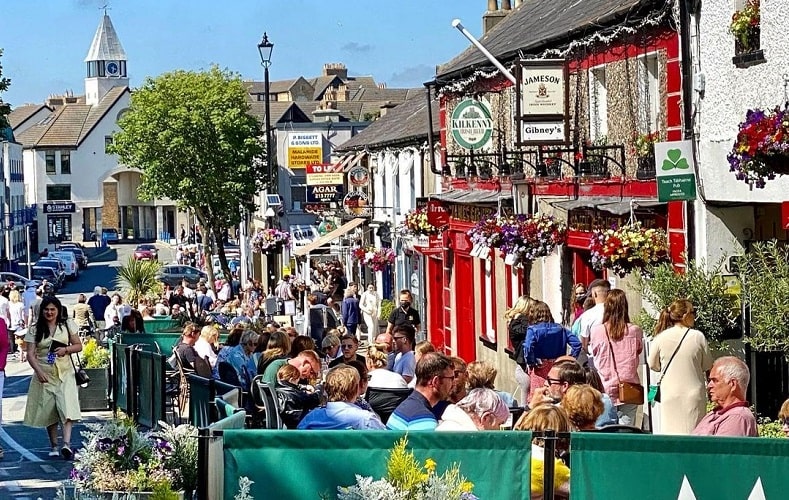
(329, 237)
(353, 161)
(476, 196)
(617, 206)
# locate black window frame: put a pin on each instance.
(51, 187)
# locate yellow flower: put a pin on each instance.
(430, 465)
(466, 486)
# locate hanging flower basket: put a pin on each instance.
(630, 247)
(521, 238)
(416, 224)
(376, 259)
(761, 150)
(269, 239)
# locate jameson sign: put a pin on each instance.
(471, 124)
(541, 102)
(675, 175)
(543, 89)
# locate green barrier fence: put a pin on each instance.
(614, 466)
(308, 464)
(165, 340)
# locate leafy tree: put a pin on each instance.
(4, 107)
(192, 136)
(137, 280)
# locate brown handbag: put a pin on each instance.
(629, 392)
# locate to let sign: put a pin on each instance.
(437, 213)
(675, 175)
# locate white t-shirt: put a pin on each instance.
(4, 310)
(590, 318)
(382, 378)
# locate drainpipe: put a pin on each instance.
(687, 111)
(430, 142)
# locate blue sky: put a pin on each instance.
(397, 41)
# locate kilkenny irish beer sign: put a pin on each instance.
(471, 124)
(541, 104)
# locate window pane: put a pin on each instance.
(50, 161)
(107, 142)
(56, 192)
(65, 162)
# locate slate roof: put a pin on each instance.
(280, 111)
(106, 45)
(275, 87)
(405, 123)
(538, 24)
(21, 114)
(321, 83)
(70, 124)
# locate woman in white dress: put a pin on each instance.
(370, 304)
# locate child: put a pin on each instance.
(288, 373)
(19, 340)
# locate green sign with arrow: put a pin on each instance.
(676, 177)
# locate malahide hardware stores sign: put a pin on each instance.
(541, 104)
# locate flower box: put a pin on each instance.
(121, 495)
(94, 397)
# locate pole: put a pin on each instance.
(271, 273)
(243, 248)
(27, 252)
(504, 71)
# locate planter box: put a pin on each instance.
(120, 495)
(94, 396)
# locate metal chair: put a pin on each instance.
(266, 415)
(384, 401)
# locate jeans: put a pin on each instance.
(524, 381)
(627, 414)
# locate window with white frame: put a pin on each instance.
(598, 104)
(648, 94)
(298, 192)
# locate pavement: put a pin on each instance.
(27, 472)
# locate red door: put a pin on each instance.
(435, 301)
(464, 308)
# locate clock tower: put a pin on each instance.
(106, 63)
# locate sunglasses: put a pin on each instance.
(551, 381)
(348, 346)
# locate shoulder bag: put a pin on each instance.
(654, 390)
(80, 375)
(629, 392)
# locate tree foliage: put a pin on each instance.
(137, 279)
(702, 285)
(192, 136)
(5, 108)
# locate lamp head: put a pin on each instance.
(265, 47)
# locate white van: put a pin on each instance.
(69, 261)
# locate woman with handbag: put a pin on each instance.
(681, 356)
(517, 319)
(616, 346)
(52, 397)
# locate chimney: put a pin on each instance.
(385, 107)
(335, 69)
(494, 15)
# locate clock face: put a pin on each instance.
(112, 68)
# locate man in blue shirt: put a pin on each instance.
(435, 378)
(351, 314)
(342, 388)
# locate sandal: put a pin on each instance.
(54, 452)
(66, 452)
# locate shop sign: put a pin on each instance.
(471, 124)
(676, 177)
(359, 176)
(63, 207)
(429, 245)
(543, 89)
(324, 194)
(544, 131)
(469, 213)
(316, 208)
(542, 97)
(357, 204)
(437, 213)
(304, 148)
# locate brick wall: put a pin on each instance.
(109, 211)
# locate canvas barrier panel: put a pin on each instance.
(496, 462)
(164, 340)
(614, 466)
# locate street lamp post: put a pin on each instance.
(265, 48)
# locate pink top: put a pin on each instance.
(734, 420)
(627, 351)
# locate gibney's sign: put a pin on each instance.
(542, 96)
(471, 124)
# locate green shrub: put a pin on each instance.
(716, 309)
(387, 306)
(94, 355)
(770, 428)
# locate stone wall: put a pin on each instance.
(109, 211)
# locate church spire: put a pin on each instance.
(106, 62)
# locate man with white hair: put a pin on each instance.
(481, 410)
(731, 416)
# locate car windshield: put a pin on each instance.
(42, 273)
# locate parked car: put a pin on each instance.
(20, 282)
(110, 235)
(57, 266)
(173, 274)
(41, 273)
(146, 251)
(69, 260)
(65, 244)
(82, 259)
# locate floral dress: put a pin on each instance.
(57, 400)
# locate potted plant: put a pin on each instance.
(416, 224)
(96, 361)
(761, 150)
(387, 306)
(269, 239)
(717, 309)
(120, 461)
(376, 259)
(628, 248)
(138, 279)
(642, 146)
(745, 27)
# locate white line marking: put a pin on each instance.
(18, 447)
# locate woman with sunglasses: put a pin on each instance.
(52, 397)
(349, 344)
